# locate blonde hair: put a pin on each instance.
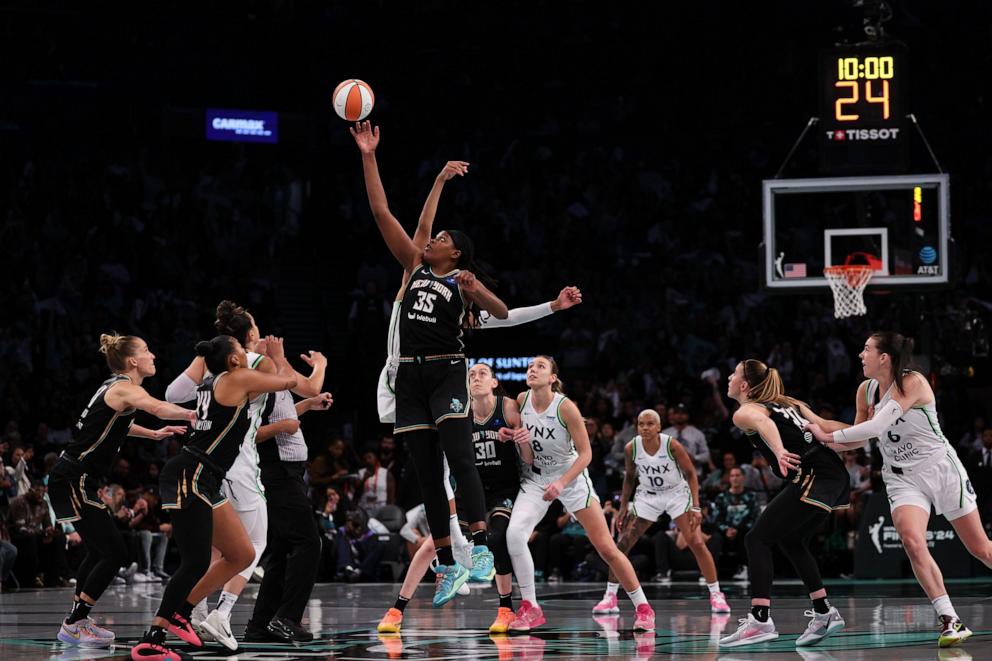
(765, 384)
(557, 385)
(117, 349)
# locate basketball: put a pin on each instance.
(353, 100)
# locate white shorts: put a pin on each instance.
(386, 395)
(244, 492)
(941, 482)
(650, 506)
(574, 497)
(256, 523)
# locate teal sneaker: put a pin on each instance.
(483, 567)
(447, 582)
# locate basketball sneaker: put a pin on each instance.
(821, 626)
(952, 631)
(504, 616)
(483, 565)
(718, 603)
(219, 627)
(607, 605)
(85, 633)
(152, 648)
(391, 621)
(750, 632)
(529, 616)
(644, 618)
(179, 626)
(446, 583)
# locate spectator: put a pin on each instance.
(693, 440)
(358, 549)
(378, 484)
(859, 475)
(734, 513)
(972, 439)
(761, 480)
(719, 479)
(152, 532)
(40, 544)
(415, 530)
(121, 475)
(980, 471)
(18, 471)
(333, 468)
(8, 558)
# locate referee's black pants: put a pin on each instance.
(293, 545)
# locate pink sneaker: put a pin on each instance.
(718, 603)
(529, 616)
(179, 626)
(644, 618)
(750, 632)
(606, 606)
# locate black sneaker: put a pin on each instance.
(288, 632)
(253, 635)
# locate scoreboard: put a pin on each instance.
(863, 108)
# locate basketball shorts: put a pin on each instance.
(650, 505)
(430, 390)
(184, 478)
(70, 490)
(940, 482)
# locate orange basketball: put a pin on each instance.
(353, 100)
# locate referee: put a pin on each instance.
(294, 544)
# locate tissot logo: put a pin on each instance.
(862, 134)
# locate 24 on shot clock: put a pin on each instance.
(863, 108)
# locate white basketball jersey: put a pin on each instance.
(249, 492)
(914, 438)
(393, 336)
(554, 451)
(656, 472)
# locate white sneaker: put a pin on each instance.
(750, 632)
(462, 552)
(219, 627)
(196, 620)
(464, 590)
(820, 626)
(144, 577)
(741, 574)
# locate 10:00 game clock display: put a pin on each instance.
(863, 108)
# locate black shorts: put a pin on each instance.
(430, 390)
(71, 490)
(183, 478)
(823, 482)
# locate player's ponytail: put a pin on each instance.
(764, 384)
(215, 352)
(117, 349)
(233, 320)
(900, 350)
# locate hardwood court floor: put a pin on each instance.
(885, 620)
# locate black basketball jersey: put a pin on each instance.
(792, 430)
(218, 430)
(431, 314)
(495, 460)
(100, 431)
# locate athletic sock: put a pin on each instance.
(445, 556)
(637, 596)
(821, 606)
(480, 538)
(506, 601)
(761, 613)
(612, 589)
(80, 611)
(713, 587)
(401, 602)
(942, 605)
(226, 603)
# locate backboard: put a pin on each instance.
(899, 225)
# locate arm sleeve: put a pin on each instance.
(182, 389)
(883, 419)
(516, 316)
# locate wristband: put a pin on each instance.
(695, 509)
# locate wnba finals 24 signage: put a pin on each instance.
(880, 553)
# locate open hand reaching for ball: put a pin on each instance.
(366, 137)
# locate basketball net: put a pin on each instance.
(848, 284)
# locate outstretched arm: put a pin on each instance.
(397, 241)
(425, 225)
(129, 396)
(479, 294)
(568, 297)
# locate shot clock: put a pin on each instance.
(863, 109)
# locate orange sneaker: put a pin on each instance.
(391, 621)
(502, 622)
